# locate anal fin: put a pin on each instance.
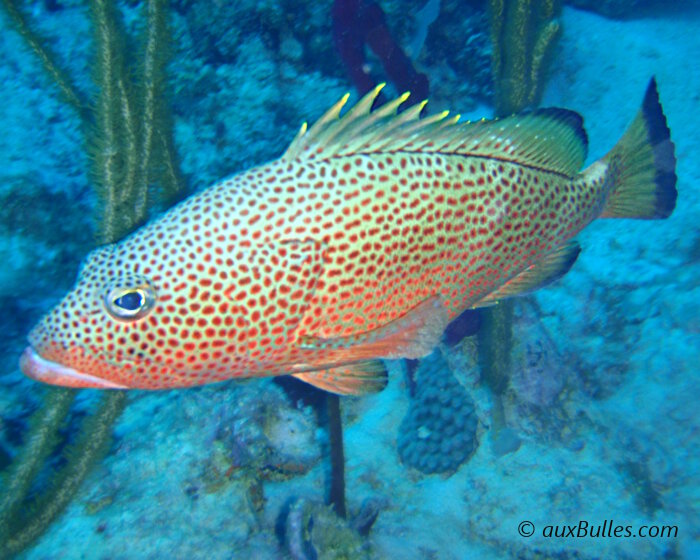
(553, 266)
(352, 379)
(412, 335)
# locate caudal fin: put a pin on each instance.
(642, 166)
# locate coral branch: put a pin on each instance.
(69, 91)
(122, 189)
(357, 23)
(158, 154)
(132, 142)
(540, 53)
(40, 442)
(335, 433)
(92, 444)
(523, 33)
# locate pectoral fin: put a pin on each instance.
(353, 379)
(552, 267)
(412, 335)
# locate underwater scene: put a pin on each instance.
(261, 303)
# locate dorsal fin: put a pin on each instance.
(549, 139)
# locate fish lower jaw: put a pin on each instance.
(53, 373)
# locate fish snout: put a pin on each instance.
(53, 373)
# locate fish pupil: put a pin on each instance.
(130, 301)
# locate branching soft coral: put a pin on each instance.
(130, 133)
(357, 23)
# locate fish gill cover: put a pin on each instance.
(580, 394)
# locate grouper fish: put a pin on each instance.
(359, 244)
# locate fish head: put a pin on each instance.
(144, 315)
(159, 310)
(93, 337)
(137, 317)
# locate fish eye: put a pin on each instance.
(130, 303)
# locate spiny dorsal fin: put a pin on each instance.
(550, 268)
(550, 139)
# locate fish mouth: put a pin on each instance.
(53, 373)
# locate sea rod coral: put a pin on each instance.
(131, 137)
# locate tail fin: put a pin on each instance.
(642, 166)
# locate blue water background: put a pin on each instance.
(607, 421)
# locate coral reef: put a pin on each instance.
(453, 49)
(424, 18)
(38, 251)
(21, 525)
(438, 433)
(545, 374)
(543, 398)
(315, 531)
(537, 377)
(456, 55)
(39, 256)
(58, 75)
(263, 434)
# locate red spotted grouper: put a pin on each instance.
(360, 243)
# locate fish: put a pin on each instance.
(359, 244)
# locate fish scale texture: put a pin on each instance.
(438, 433)
(326, 244)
